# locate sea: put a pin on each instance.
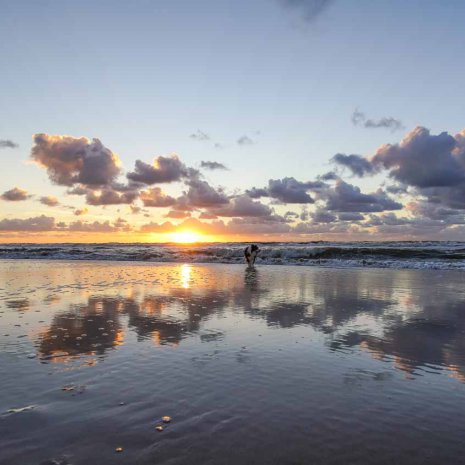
(394, 254)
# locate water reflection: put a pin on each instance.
(412, 319)
(185, 275)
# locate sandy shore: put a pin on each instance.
(277, 365)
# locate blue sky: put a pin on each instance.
(143, 76)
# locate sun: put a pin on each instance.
(186, 237)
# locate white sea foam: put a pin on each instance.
(415, 255)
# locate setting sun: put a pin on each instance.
(186, 237)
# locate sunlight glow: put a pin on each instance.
(185, 276)
(186, 237)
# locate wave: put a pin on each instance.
(432, 255)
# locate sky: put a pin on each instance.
(227, 120)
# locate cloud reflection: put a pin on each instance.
(397, 316)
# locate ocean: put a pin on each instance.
(397, 254)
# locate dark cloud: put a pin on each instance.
(432, 165)
(346, 197)
(199, 135)
(436, 212)
(291, 214)
(163, 170)
(38, 223)
(243, 206)
(49, 200)
(256, 193)
(357, 164)
(310, 9)
(212, 165)
(287, 190)
(397, 189)
(155, 197)
(391, 123)
(15, 195)
(245, 140)
(350, 216)
(202, 195)
(329, 176)
(7, 144)
(323, 216)
(422, 160)
(70, 160)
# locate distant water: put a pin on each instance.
(401, 255)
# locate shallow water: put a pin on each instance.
(277, 365)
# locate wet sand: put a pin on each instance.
(277, 365)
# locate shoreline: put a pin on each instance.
(375, 266)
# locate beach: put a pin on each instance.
(272, 364)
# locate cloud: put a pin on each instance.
(7, 144)
(357, 164)
(245, 140)
(202, 195)
(109, 196)
(385, 122)
(49, 200)
(207, 216)
(422, 160)
(212, 165)
(329, 176)
(433, 165)
(359, 118)
(287, 190)
(15, 195)
(237, 226)
(323, 216)
(346, 197)
(177, 214)
(310, 9)
(243, 206)
(200, 135)
(155, 197)
(350, 216)
(95, 227)
(37, 223)
(163, 170)
(81, 211)
(70, 160)
(256, 193)
(162, 228)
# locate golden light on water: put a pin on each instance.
(185, 275)
(186, 237)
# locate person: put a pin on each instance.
(250, 253)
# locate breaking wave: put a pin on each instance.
(428, 255)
